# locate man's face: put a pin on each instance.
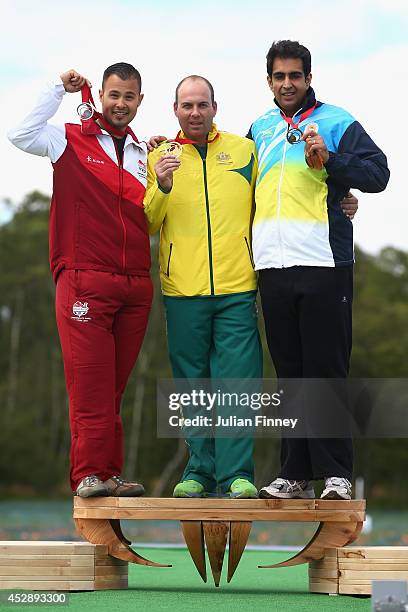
(289, 84)
(194, 109)
(120, 101)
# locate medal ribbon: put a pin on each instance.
(88, 99)
(303, 116)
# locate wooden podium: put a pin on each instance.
(212, 522)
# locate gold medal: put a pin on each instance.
(171, 148)
(311, 127)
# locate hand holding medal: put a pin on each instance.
(73, 81)
(168, 163)
(171, 148)
(316, 153)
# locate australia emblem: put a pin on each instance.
(224, 158)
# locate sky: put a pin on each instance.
(359, 61)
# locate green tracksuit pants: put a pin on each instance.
(215, 337)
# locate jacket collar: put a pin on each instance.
(213, 134)
(91, 128)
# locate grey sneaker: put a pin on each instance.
(119, 487)
(91, 486)
(336, 488)
(288, 489)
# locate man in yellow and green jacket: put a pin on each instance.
(202, 204)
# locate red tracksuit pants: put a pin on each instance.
(102, 319)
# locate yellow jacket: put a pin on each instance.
(205, 220)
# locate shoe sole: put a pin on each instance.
(335, 495)
(266, 495)
(126, 494)
(104, 493)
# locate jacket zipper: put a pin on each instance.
(249, 252)
(279, 198)
(120, 167)
(207, 205)
(168, 261)
(279, 205)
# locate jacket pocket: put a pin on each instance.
(251, 259)
(168, 261)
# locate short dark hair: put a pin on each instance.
(124, 71)
(195, 77)
(288, 49)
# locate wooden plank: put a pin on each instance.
(340, 504)
(323, 564)
(373, 575)
(47, 561)
(110, 561)
(375, 565)
(323, 587)
(317, 579)
(355, 581)
(12, 570)
(224, 503)
(47, 585)
(219, 515)
(373, 552)
(362, 589)
(110, 571)
(101, 585)
(323, 573)
(142, 503)
(46, 548)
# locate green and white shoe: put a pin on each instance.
(189, 488)
(243, 489)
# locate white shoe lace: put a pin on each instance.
(335, 481)
(292, 485)
(90, 481)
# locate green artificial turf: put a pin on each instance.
(180, 588)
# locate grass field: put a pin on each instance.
(180, 588)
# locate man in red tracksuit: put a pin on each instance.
(100, 261)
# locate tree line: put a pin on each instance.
(34, 432)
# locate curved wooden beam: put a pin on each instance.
(101, 531)
(117, 528)
(215, 534)
(328, 535)
(238, 538)
(194, 538)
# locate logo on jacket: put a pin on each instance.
(141, 169)
(80, 309)
(89, 158)
(223, 158)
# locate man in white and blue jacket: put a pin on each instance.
(309, 155)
